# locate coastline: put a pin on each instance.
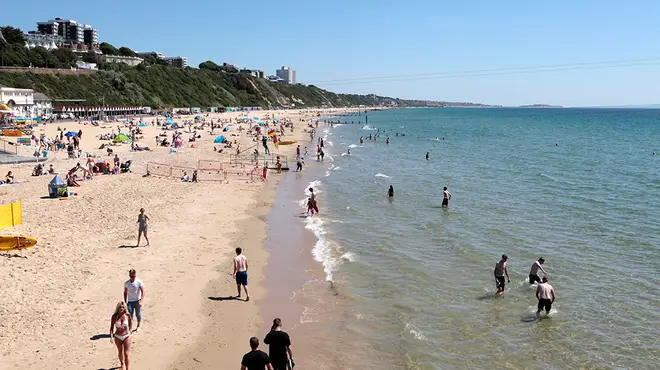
(193, 232)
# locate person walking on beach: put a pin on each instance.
(121, 324)
(390, 192)
(499, 272)
(143, 224)
(445, 197)
(264, 142)
(240, 273)
(545, 293)
(255, 359)
(133, 296)
(279, 347)
(299, 164)
(322, 154)
(533, 272)
(298, 152)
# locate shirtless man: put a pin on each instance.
(240, 273)
(533, 272)
(545, 293)
(445, 197)
(499, 272)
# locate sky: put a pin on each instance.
(342, 41)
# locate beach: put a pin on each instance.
(59, 295)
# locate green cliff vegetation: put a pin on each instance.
(154, 84)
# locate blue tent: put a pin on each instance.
(225, 129)
(219, 140)
(260, 123)
(142, 125)
(276, 119)
(198, 117)
(71, 134)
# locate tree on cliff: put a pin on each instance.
(13, 35)
(108, 49)
(210, 66)
(127, 52)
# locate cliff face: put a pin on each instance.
(161, 86)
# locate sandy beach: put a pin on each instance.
(59, 295)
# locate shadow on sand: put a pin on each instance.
(100, 336)
(228, 298)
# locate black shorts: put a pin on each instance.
(279, 365)
(500, 281)
(545, 304)
(445, 202)
(534, 279)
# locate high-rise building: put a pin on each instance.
(70, 30)
(90, 35)
(286, 74)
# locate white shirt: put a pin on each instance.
(535, 268)
(133, 290)
(545, 291)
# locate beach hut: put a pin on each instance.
(121, 138)
(219, 140)
(57, 188)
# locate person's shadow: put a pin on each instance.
(228, 298)
(100, 336)
(127, 246)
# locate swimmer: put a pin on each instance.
(349, 151)
(428, 155)
(533, 273)
(499, 272)
(390, 192)
(545, 293)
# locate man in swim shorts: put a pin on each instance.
(533, 272)
(445, 197)
(240, 273)
(499, 272)
(545, 293)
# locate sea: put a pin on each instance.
(407, 284)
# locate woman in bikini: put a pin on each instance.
(121, 325)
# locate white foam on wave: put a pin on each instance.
(348, 256)
(354, 146)
(416, 332)
(344, 154)
(336, 168)
(327, 173)
(368, 128)
(322, 251)
(331, 144)
(382, 175)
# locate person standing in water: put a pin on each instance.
(445, 197)
(143, 224)
(428, 155)
(499, 272)
(545, 293)
(390, 192)
(533, 272)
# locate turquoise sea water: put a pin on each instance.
(414, 281)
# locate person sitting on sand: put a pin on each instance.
(51, 170)
(71, 179)
(9, 178)
(185, 177)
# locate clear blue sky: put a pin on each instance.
(341, 40)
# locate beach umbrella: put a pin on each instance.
(142, 125)
(246, 119)
(260, 123)
(219, 140)
(255, 118)
(71, 134)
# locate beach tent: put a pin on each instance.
(276, 119)
(219, 140)
(198, 117)
(255, 118)
(260, 123)
(142, 125)
(225, 129)
(71, 134)
(121, 138)
(57, 188)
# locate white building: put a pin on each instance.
(131, 61)
(87, 66)
(43, 105)
(155, 54)
(48, 42)
(287, 74)
(178, 62)
(20, 100)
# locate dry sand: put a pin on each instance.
(57, 297)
